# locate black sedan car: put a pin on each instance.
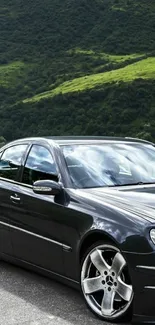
(82, 210)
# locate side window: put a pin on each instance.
(11, 161)
(39, 165)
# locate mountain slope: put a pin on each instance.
(145, 69)
(71, 67)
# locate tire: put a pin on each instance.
(105, 282)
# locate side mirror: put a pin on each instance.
(47, 187)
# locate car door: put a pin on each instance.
(10, 163)
(37, 221)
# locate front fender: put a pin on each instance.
(126, 237)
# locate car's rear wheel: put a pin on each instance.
(106, 283)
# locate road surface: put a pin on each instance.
(30, 299)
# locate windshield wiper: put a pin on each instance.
(132, 184)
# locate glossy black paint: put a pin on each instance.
(47, 187)
(50, 233)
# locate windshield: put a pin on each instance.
(111, 164)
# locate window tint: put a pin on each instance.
(11, 161)
(39, 165)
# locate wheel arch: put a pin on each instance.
(91, 238)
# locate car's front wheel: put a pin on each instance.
(105, 282)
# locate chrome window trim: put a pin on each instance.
(8, 180)
(65, 247)
(20, 183)
(149, 287)
(15, 182)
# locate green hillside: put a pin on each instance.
(77, 67)
(145, 69)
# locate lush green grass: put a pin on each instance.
(144, 69)
(9, 73)
(121, 58)
(118, 8)
(12, 73)
(106, 56)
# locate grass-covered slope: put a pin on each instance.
(145, 69)
(73, 67)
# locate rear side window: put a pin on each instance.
(10, 161)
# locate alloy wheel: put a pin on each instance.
(105, 282)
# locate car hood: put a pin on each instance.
(137, 200)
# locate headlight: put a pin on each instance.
(152, 235)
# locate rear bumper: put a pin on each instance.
(142, 271)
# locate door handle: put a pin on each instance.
(15, 198)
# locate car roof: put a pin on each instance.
(91, 139)
(68, 140)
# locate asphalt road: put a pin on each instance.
(30, 299)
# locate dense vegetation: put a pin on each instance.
(77, 67)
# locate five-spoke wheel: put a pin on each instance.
(106, 283)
